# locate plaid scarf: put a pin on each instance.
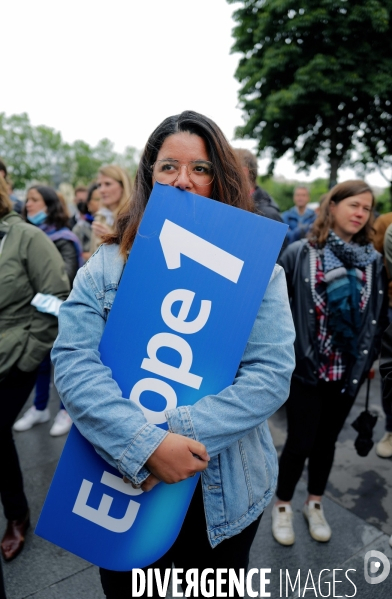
(342, 264)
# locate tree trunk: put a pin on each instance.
(333, 174)
(333, 159)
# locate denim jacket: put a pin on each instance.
(241, 477)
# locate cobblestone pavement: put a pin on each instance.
(358, 505)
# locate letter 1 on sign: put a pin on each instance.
(180, 374)
(101, 515)
(178, 323)
(176, 240)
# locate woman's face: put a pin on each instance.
(35, 202)
(110, 191)
(185, 147)
(351, 215)
(95, 202)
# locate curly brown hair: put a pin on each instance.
(324, 221)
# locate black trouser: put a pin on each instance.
(2, 589)
(315, 417)
(190, 550)
(14, 392)
(387, 407)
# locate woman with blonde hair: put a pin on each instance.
(115, 188)
(335, 280)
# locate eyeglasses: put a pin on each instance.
(200, 172)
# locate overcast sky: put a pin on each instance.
(117, 68)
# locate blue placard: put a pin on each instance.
(178, 327)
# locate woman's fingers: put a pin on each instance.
(150, 482)
(198, 449)
(177, 458)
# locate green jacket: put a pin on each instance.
(29, 264)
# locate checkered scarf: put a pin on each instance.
(343, 275)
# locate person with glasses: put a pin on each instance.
(189, 152)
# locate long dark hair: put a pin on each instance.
(229, 185)
(55, 211)
(324, 221)
(5, 202)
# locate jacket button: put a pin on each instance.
(374, 321)
(365, 351)
(306, 280)
(381, 291)
(355, 381)
(311, 311)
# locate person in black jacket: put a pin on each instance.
(264, 204)
(336, 286)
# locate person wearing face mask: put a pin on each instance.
(44, 210)
(29, 264)
(115, 188)
(87, 212)
(224, 436)
(336, 284)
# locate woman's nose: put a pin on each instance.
(183, 181)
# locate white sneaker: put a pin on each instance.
(282, 525)
(30, 418)
(318, 526)
(384, 447)
(61, 425)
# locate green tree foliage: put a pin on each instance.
(40, 154)
(316, 78)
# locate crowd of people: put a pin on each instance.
(317, 334)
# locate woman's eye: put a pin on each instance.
(203, 169)
(167, 167)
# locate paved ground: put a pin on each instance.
(358, 505)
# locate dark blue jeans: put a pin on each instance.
(42, 388)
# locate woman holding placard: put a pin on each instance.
(187, 151)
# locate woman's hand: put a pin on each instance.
(100, 229)
(147, 485)
(177, 458)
